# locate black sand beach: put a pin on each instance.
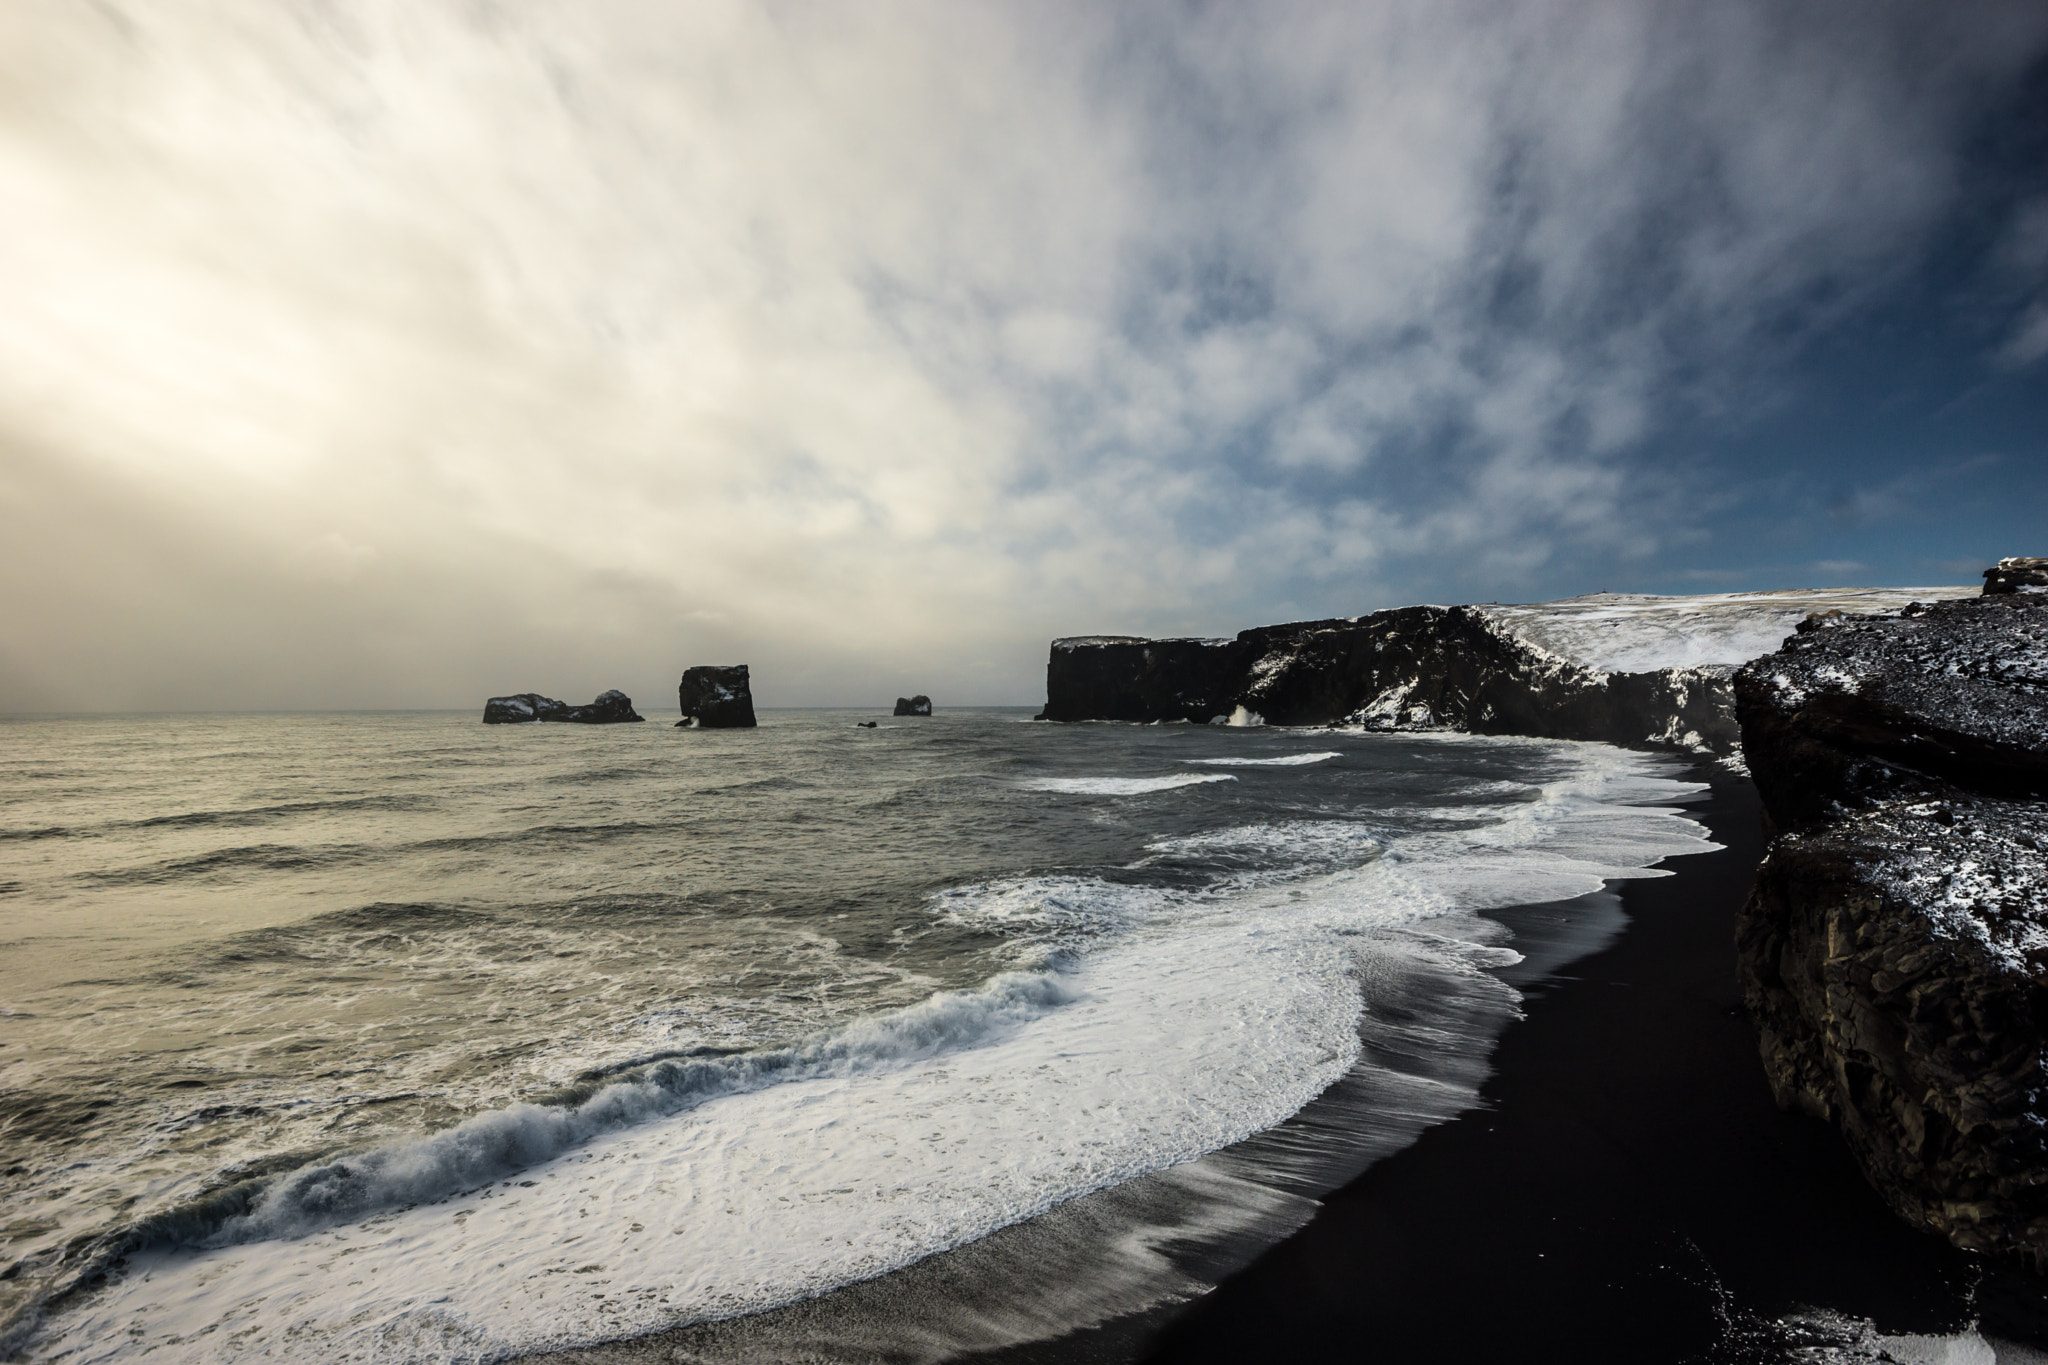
(1629, 1192)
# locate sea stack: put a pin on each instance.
(919, 705)
(523, 708)
(716, 697)
(1894, 952)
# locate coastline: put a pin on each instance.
(1625, 1189)
(1628, 1191)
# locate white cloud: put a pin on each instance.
(859, 340)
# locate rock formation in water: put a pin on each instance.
(2016, 576)
(716, 697)
(1894, 954)
(919, 705)
(1411, 668)
(525, 707)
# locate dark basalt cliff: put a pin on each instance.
(521, 708)
(919, 705)
(714, 697)
(1894, 953)
(2017, 575)
(1412, 668)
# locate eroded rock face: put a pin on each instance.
(522, 708)
(1412, 668)
(1894, 954)
(716, 697)
(919, 705)
(2016, 576)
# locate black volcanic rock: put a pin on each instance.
(2016, 576)
(919, 705)
(1875, 707)
(716, 697)
(1412, 668)
(1894, 953)
(610, 708)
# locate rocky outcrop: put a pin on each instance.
(715, 697)
(524, 708)
(919, 705)
(2016, 576)
(1894, 954)
(1412, 668)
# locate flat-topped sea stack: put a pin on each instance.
(715, 697)
(525, 708)
(1894, 953)
(919, 705)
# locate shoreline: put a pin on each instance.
(1627, 1191)
(1624, 1189)
(1037, 1291)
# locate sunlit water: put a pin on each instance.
(401, 1037)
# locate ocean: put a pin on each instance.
(399, 1037)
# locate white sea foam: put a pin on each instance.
(1122, 786)
(1201, 1020)
(1838, 1340)
(1283, 761)
(506, 1141)
(1310, 841)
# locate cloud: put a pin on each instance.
(424, 350)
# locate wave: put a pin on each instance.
(541, 835)
(260, 815)
(1284, 761)
(1310, 842)
(1122, 786)
(503, 1142)
(268, 857)
(41, 832)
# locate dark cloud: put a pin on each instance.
(405, 352)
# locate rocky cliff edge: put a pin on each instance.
(1894, 953)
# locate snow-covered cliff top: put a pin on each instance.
(1614, 632)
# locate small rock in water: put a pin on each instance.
(919, 705)
(865, 724)
(522, 708)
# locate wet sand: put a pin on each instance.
(1629, 1192)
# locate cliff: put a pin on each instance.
(522, 708)
(1627, 668)
(2016, 576)
(1894, 952)
(1412, 668)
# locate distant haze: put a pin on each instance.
(396, 354)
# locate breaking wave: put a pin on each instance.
(1122, 786)
(1283, 761)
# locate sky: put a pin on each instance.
(399, 354)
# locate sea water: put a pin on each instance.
(398, 1037)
